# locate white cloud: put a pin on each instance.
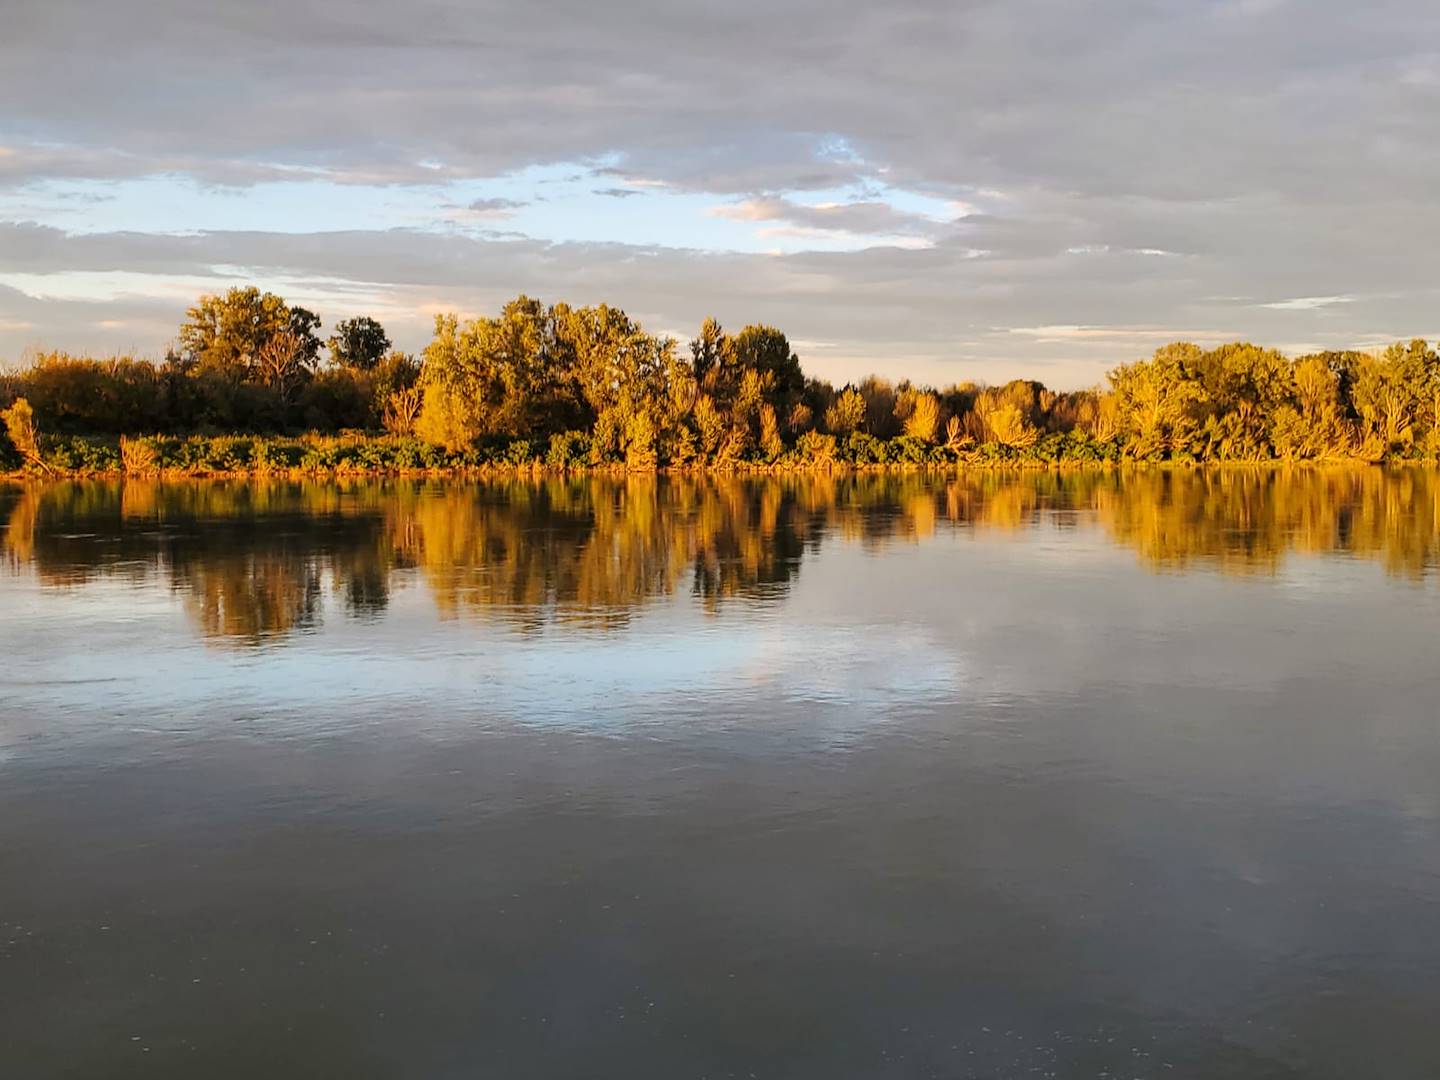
(1308, 303)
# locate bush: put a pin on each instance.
(863, 449)
(139, 456)
(71, 395)
(813, 448)
(911, 450)
(21, 434)
(994, 453)
(10, 459)
(568, 450)
(77, 454)
(338, 398)
(518, 452)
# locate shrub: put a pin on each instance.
(275, 455)
(517, 452)
(21, 431)
(77, 454)
(863, 449)
(813, 448)
(337, 398)
(911, 450)
(139, 455)
(568, 450)
(10, 458)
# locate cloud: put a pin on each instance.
(495, 208)
(1308, 303)
(1240, 141)
(937, 313)
(870, 218)
(496, 205)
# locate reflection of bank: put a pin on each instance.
(254, 559)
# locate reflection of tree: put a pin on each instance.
(249, 558)
(591, 550)
(251, 599)
(18, 509)
(1246, 520)
(255, 559)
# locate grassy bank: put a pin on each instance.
(374, 454)
(200, 455)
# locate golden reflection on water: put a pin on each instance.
(254, 559)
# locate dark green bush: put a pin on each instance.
(77, 454)
(864, 449)
(568, 450)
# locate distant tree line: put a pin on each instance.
(576, 386)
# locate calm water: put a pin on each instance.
(1089, 776)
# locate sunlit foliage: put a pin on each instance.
(586, 387)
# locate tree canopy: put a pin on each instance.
(594, 382)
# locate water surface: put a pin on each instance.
(1127, 774)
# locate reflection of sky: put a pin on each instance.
(1043, 621)
(1006, 775)
(142, 659)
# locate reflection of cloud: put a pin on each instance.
(837, 666)
(858, 665)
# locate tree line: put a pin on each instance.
(574, 386)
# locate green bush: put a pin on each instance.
(519, 452)
(993, 453)
(911, 450)
(275, 455)
(78, 454)
(568, 450)
(864, 449)
(10, 460)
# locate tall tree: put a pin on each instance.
(359, 343)
(227, 333)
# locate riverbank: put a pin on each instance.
(378, 455)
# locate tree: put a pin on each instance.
(1158, 400)
(766, 350)
(281, 363)
(359, 343)
(401, 410)
(770, 443)
(19, 421)
(303, 326)
(710, 353)
(226, 334)
(847, 414)
(924, 418)
(1007, 425)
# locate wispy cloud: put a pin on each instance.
(872, 220)
(1307, 303)
(1120, 333)
(497, 207)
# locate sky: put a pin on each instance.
(934, 189)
